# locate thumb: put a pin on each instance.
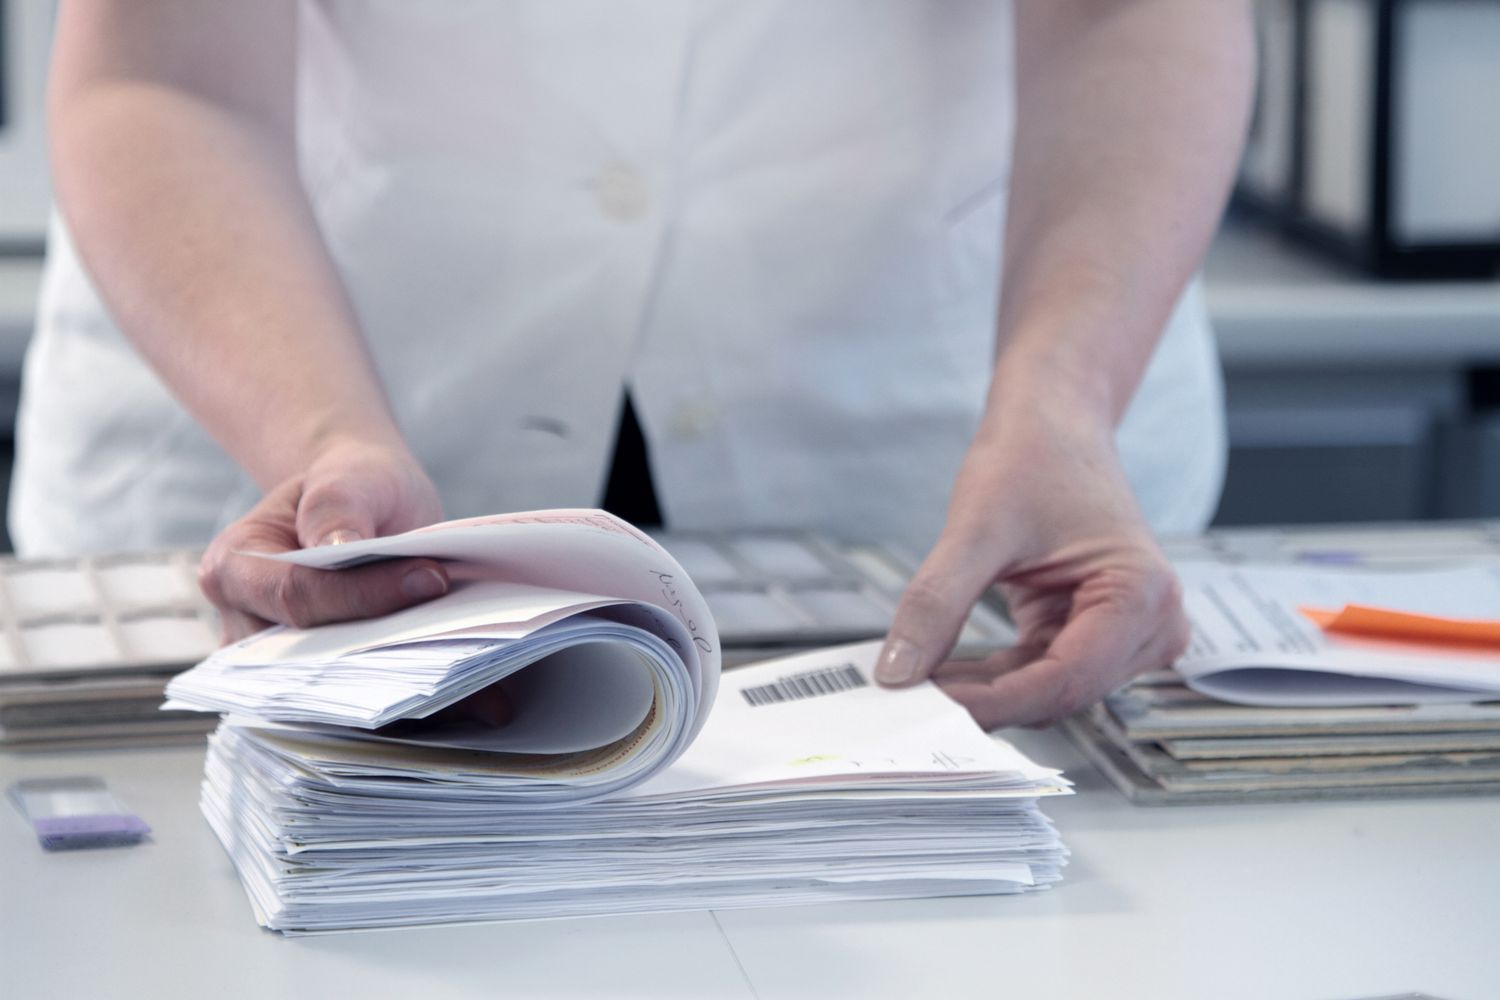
(334, 514)
(931, 613)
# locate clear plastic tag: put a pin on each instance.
(76, 812)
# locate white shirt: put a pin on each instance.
(778, 221)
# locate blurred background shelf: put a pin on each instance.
(1277, 305)
(1349, 398)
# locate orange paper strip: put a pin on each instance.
(1360, 619)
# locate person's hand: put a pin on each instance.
(352, 491)
(1042, 509)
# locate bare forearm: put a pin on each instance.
(1130, 116)
(187, 209)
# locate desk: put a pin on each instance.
(1316, 901)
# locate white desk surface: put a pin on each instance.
(1317, 901)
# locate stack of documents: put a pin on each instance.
(353, 788)
(1308, 682)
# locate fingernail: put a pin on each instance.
(340, 536)
(898, 662)
(424, 584)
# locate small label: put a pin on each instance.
(66, 833)
(808, 684)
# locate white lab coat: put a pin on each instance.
(778, 221)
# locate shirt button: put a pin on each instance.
(622, 193)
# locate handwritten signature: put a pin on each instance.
(674, 601)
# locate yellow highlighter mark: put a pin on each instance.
(816, 758)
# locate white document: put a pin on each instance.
(608, 651)
(1251, 644)
(816, 716)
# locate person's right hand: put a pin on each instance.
(352, 491)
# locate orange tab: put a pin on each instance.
(1381, 623)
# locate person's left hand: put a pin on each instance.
(1042, 509)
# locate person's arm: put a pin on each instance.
(1130, 118)
(172, 127)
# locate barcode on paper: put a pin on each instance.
(808, 684)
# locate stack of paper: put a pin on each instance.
(1280, 696)
(351, 791)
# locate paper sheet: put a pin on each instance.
(1252, 644)
(609, 683)
(844, 728)
(583, 551)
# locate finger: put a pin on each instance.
(931, 613)
(1001, 661)
(1094, 653)
(303, 597)
(267, 528)
(235, 625)
(335, 514)
(1037, 615)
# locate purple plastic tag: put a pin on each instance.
(66, 833)
(77, 811)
